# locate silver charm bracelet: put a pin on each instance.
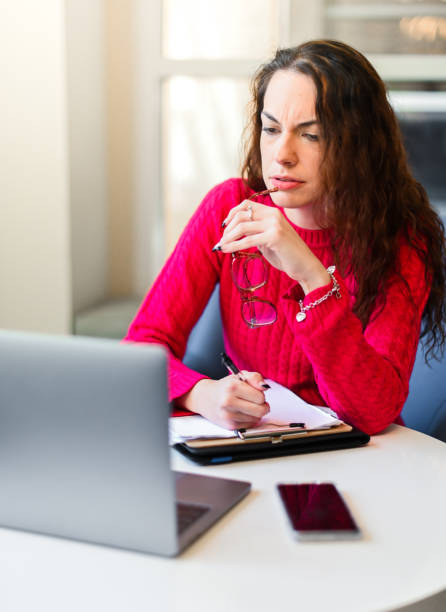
(335, 290)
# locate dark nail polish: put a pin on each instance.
(223, 224)
(242, 430)
(266, 386)
(216, 248)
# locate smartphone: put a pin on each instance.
(317, 511)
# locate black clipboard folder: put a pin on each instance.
(214, 451)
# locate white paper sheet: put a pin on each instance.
(190, 427)
(286, 407)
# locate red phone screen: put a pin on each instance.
(316, 507)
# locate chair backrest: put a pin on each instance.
(425, 408)
(206, 341)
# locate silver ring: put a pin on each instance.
(249, 209)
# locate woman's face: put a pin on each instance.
(291, 145)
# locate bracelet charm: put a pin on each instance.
(335, 290)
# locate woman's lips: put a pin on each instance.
(285, 183)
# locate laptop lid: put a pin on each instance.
(84, 445)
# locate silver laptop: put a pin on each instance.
(84, 447)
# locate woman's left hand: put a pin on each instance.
(267, 229)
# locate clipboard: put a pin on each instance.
(205, 451)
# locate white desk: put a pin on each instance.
(396, 488)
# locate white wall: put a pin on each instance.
(35, 276)
(86, 87)
(148, 229)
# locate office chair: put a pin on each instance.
(424, 410)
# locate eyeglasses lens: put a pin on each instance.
(257, 312)
(249, 272)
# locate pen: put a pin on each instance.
(233, 369)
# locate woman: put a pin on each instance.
(324, 141)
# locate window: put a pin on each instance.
(402, 27)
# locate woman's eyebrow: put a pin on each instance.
(304, 124)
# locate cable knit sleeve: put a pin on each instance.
(363, 375)
(182, 289)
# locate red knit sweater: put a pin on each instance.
(328, 359)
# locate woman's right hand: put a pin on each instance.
(228, 402)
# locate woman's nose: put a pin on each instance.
(286, 154)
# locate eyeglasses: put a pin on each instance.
(249, 273)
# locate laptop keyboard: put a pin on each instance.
(188, 514)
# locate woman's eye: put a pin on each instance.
(311, 137)
(269, 130)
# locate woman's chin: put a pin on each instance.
(285, 199)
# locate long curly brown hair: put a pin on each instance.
(370, 197)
